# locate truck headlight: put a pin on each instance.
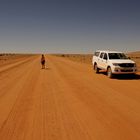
(135, 65)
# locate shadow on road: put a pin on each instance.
(127, 77)
(124, 76)
(46, 68)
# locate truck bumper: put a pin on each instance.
(124, 70)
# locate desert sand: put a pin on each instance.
(66, 101)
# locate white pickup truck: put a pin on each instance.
(113, 63)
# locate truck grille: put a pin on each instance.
(126, 70)
(126, 65)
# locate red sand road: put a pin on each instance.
(66, 101)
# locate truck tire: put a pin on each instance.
(109, 72)
(96, 68)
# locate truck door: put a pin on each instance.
(104, 61)
(100, 60)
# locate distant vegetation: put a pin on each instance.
(6, 54)
(84, 58)
(87, 58)
(11, 56)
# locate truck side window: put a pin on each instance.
(105, 56)
(101, 55)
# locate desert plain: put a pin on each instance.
(67, 100)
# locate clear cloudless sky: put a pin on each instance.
(69, 26)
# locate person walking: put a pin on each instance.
(43, 61)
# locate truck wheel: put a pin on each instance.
(96, 68)
(109, 72)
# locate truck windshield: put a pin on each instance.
(117, 56)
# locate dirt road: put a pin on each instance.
(66, 101)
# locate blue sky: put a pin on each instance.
(69, 26)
